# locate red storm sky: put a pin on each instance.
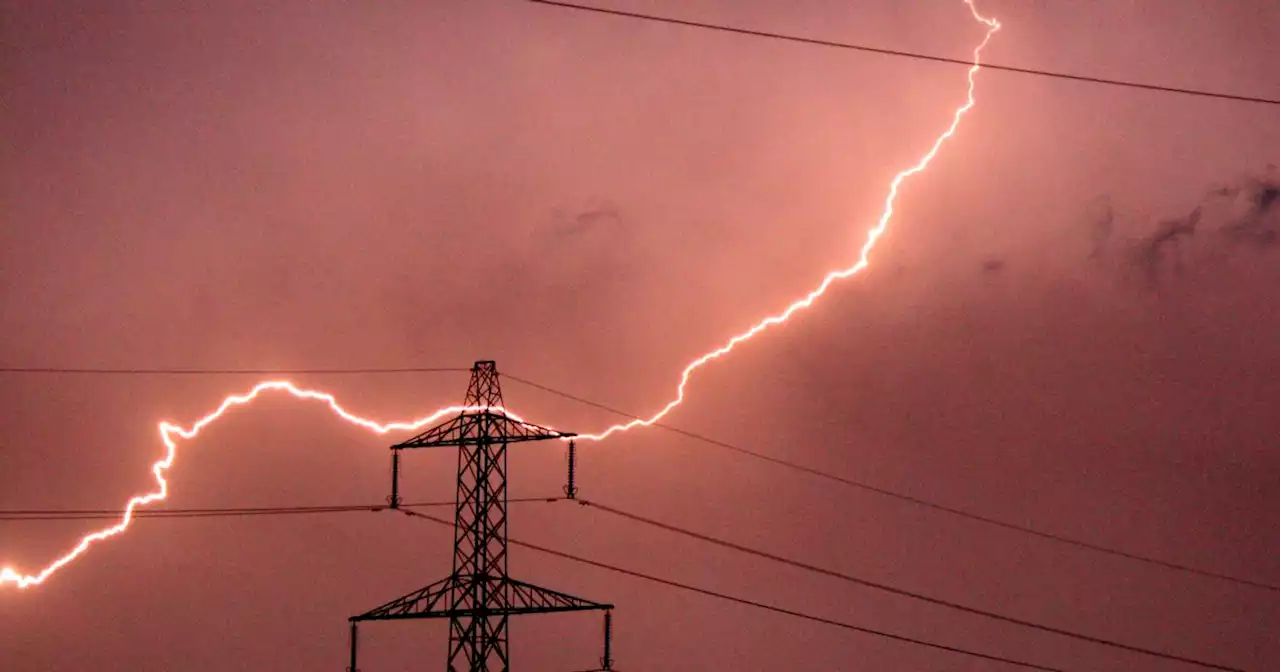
(592, 202)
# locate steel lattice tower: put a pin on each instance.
(478, 597)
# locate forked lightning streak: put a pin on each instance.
(170, 433)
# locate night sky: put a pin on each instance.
(1071, 324)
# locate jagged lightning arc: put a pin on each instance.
(170, 433)
(863, 258)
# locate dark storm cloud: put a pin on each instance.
(598, 219)
(1163, 248)
(1257, 226)
(1225, 221)
(1103, 229)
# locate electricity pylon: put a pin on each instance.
(478, 597)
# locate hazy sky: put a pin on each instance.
(592, 202)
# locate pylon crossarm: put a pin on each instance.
(434, 601)
(471, 427)
(527, 598)
(421, 601)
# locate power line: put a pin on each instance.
(11, 515)
(693, 435)
(904, 593)
(221, 372)
(751, 603)
(90, 514)
(906, 54)
(904, 497)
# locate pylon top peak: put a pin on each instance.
(484, 389)
(485, 418)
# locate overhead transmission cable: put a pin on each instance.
(906, 54)
(14, 515)
(867, 583)
(812, 471)
(93, 514)
(900, 496)
(748, 602)
(222, 372)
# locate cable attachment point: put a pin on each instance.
(606, 661)
(394, 499)
(571, 488)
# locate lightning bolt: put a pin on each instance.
(170, 433)
(832, 277)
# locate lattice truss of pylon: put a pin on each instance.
(478, 596)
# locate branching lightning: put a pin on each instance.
(171, 433)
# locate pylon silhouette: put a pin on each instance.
(478, 597)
